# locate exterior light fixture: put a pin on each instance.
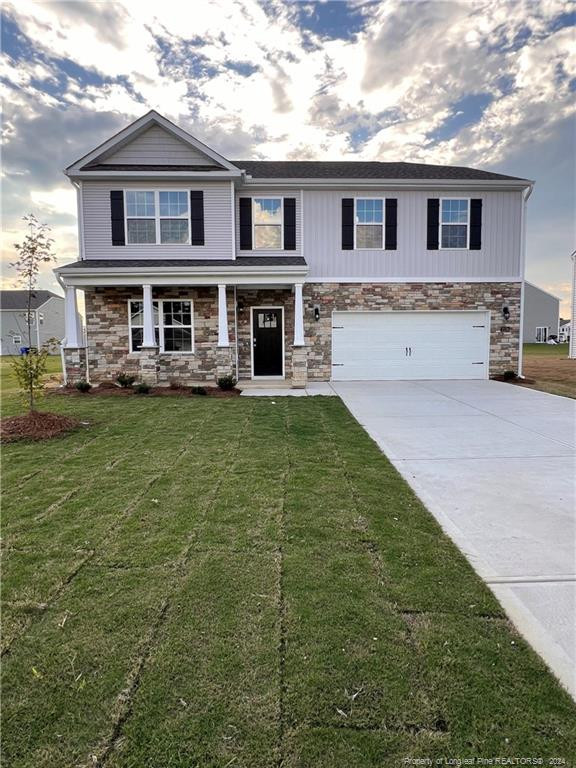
(506, 312)
(316, 313)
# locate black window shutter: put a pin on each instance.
(475, 225)
(433, 223)
(289, 223)
(117, 217)
(197, 217)
(245, 223)
(391, 226)
(347, 223)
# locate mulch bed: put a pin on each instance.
(37, 425)
(112, 390)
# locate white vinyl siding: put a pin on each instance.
(98, 233)
(155, 146)
(410, 345)
(499, 257)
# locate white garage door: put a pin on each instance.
(409, 345)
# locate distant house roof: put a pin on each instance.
(320, 169)
(19, 299)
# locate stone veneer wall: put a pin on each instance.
(411, 296)
(265, 297)
(108, 335)
(107, 323)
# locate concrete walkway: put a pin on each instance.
(495, 464)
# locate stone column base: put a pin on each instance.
(75, 362)
(149, 365)
(299, 367)
(225, 358)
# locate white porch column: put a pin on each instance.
(298, 316)
(71, 319)
(223, 340)
(149, 339)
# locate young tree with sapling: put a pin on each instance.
(33, 252)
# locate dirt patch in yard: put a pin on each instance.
(107, 389)
(37, 425)
(551, 374)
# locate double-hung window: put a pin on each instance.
(157, 217)
(136, 316)
(173, 325)
(369, 223)
(454, 223)
(267, 222)
(542, 334)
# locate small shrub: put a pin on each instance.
(83, 386)
(226, 382)
(199, 391)
(142, 388)
(509, 375)
(125, 379)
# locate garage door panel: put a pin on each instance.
(409, 345)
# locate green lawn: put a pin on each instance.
(8, 383)
(192, 583)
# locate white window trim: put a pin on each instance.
(375, 224)
(19, 342)
(281, 225)
(160, 327)
(157, 216)
(545, 328)
(447, 224)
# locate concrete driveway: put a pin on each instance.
(495, 464)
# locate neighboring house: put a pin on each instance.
(46, 320)
(195, 266)
(572, 349)
(541, 314)
(564, 330)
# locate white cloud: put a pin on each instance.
(397, 80)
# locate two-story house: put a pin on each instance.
(195, 266)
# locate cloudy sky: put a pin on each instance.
(486, 83)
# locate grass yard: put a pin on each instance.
(8, 383)
(549, 366)
(198, 583)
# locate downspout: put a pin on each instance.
(236, 332)
(62, 341)
(525, 195)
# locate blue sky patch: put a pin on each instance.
(333, 20)
(466, 111)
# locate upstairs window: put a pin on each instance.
(454, 223)
(267, 222)
(369, 223)
(160, 217)
(173, 325)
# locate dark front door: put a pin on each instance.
(267, 336)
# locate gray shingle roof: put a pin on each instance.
(241, 261)
(19, 299)
(148, 167)
(316, 169)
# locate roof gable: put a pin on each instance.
(152, 140)
(18, 300)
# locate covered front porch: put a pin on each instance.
(186, 323)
